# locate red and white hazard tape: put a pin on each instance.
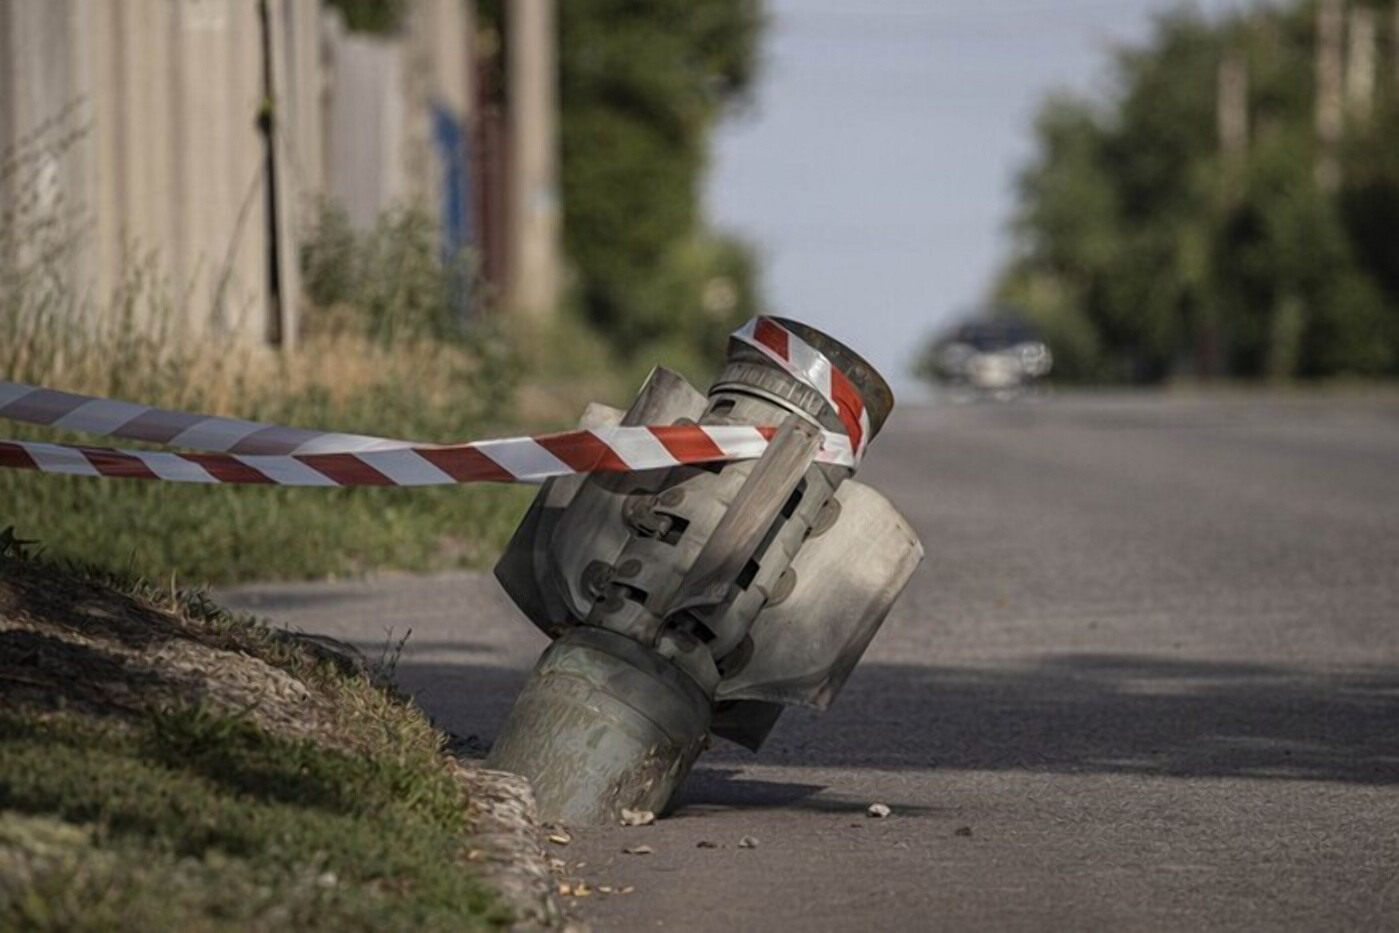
(237, 451)
(507, 460)
(110, 418)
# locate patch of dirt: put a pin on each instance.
(69, 645)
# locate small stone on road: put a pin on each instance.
(637, 817)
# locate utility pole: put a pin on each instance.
(1231, 122)
(284, 282)
(1330, 24)
(1394, 44)
(534, 211)
(1360, 64)
(1231, 108)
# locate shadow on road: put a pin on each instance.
(276, 601)
(1064, 714)
(1107, 713)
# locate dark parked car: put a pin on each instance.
(997, 356)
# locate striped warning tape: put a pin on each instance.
(110, 418)
(506, 460)
(232, 450)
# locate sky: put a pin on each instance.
(875, 169)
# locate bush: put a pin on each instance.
(390, 284)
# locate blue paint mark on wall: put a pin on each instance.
(449, 139)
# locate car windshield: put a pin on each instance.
(996, 335)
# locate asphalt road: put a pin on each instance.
(1147, 678)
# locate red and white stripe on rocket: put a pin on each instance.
(812, 366)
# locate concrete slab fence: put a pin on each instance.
(146, 121)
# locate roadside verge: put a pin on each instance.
(167, 765)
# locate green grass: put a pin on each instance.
(224, 534)
(247, 825)
(420, 389)
(134, 798)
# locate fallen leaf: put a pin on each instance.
(878, 810)
(706, 844)
(637, 850)
(748, 842)
(562, 839)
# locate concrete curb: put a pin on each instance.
(501, 808)
(506, 822)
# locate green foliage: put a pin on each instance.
(642, 85)
(391, 283)
(381, 17)
(1145, 251)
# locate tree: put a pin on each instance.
(642, 84)
(1146, 248)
